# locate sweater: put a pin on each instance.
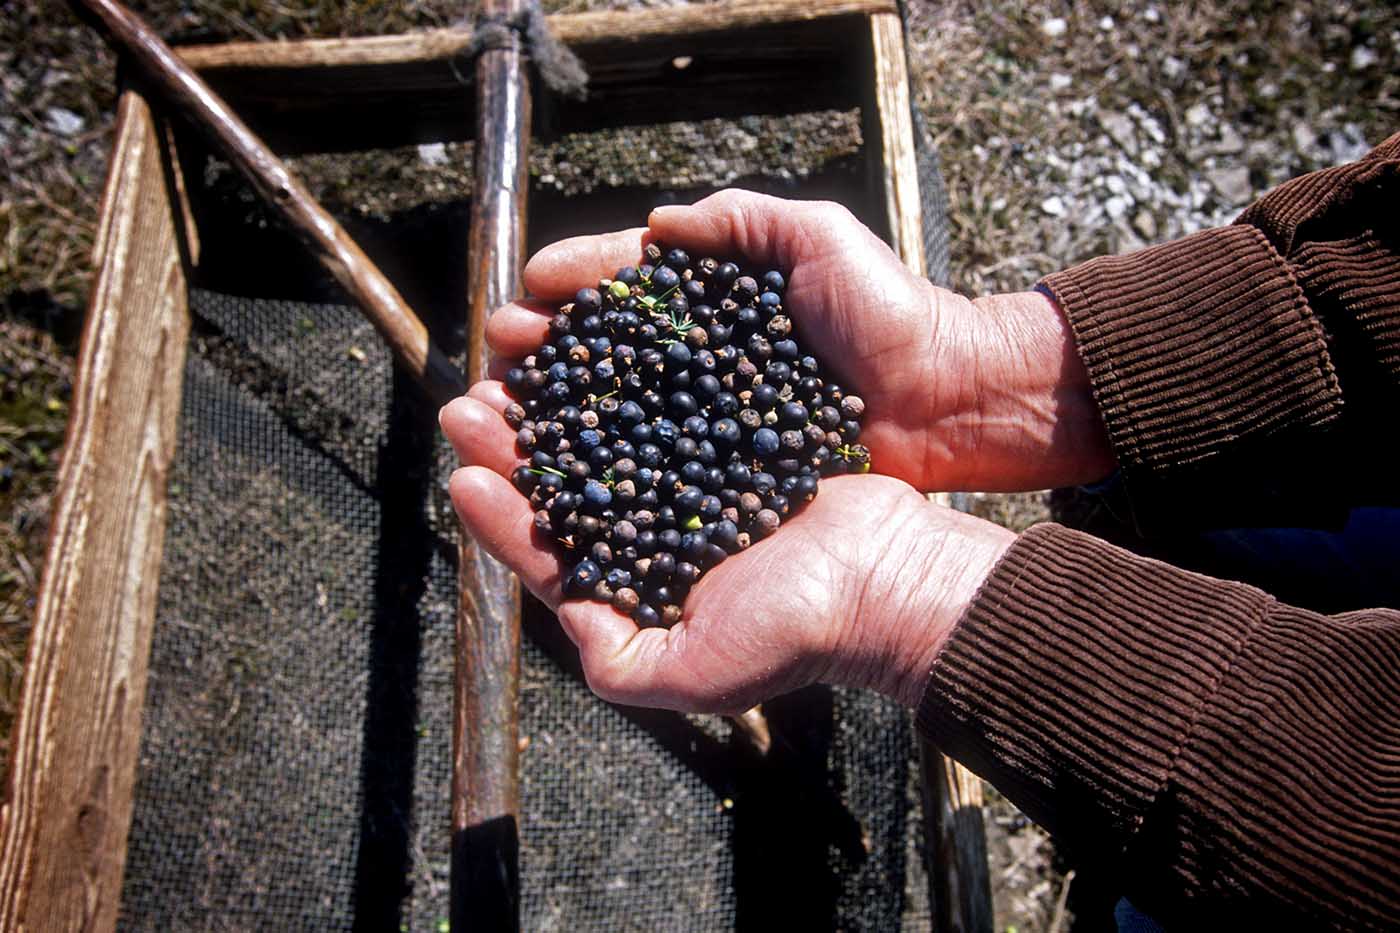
(1230, 759)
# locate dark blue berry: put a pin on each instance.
(726, 432)
(792, 414)
(688, 499)
(725, 405)
(773, 281)
(765, 442)
(764, 397)
(524, 479)
(710, 508)
(584, 576)
(664, 279)
(678, 354)
(726, 535)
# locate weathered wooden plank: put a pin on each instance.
(959, 884)
(955, 839)
(893, 130)
(657, 65)
(376, 296)
(638, 29)
(64, 823)
(486, 759)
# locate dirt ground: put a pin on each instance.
(1065, 131)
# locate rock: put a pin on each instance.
(433, 154)
(1115, 207)
(1119, 129)
(1106, 24)
(1231, 142)
(1304, 139)
(1145, 224)
(1347, 143)
(1054, 206)
(1197, 115)
(1060, 82)
(1054, 28)
(1363, 57)
(63, 121)
(1231, 184)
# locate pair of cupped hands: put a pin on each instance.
(863, 586)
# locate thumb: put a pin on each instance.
(757, 226)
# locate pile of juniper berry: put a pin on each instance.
(672, 420)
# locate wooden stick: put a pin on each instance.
(361, 279)
(64, 823)
(485, 883)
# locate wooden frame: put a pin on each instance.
(65, 821)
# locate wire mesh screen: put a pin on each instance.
(295, 761)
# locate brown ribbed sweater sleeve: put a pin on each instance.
(1241, 371)
(1233, 760)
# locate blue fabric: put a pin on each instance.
(1132, 920)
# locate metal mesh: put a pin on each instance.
(295, 770)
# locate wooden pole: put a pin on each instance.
(485, 773)
(367, 286)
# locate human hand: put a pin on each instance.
(986, 394)
(872, 579)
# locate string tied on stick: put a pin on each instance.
(559, 68)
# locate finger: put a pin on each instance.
(556, 272)
(479, 435)
(500, 520)
(625, 664)
(491, 393)
(517, 329)
(759, 227)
